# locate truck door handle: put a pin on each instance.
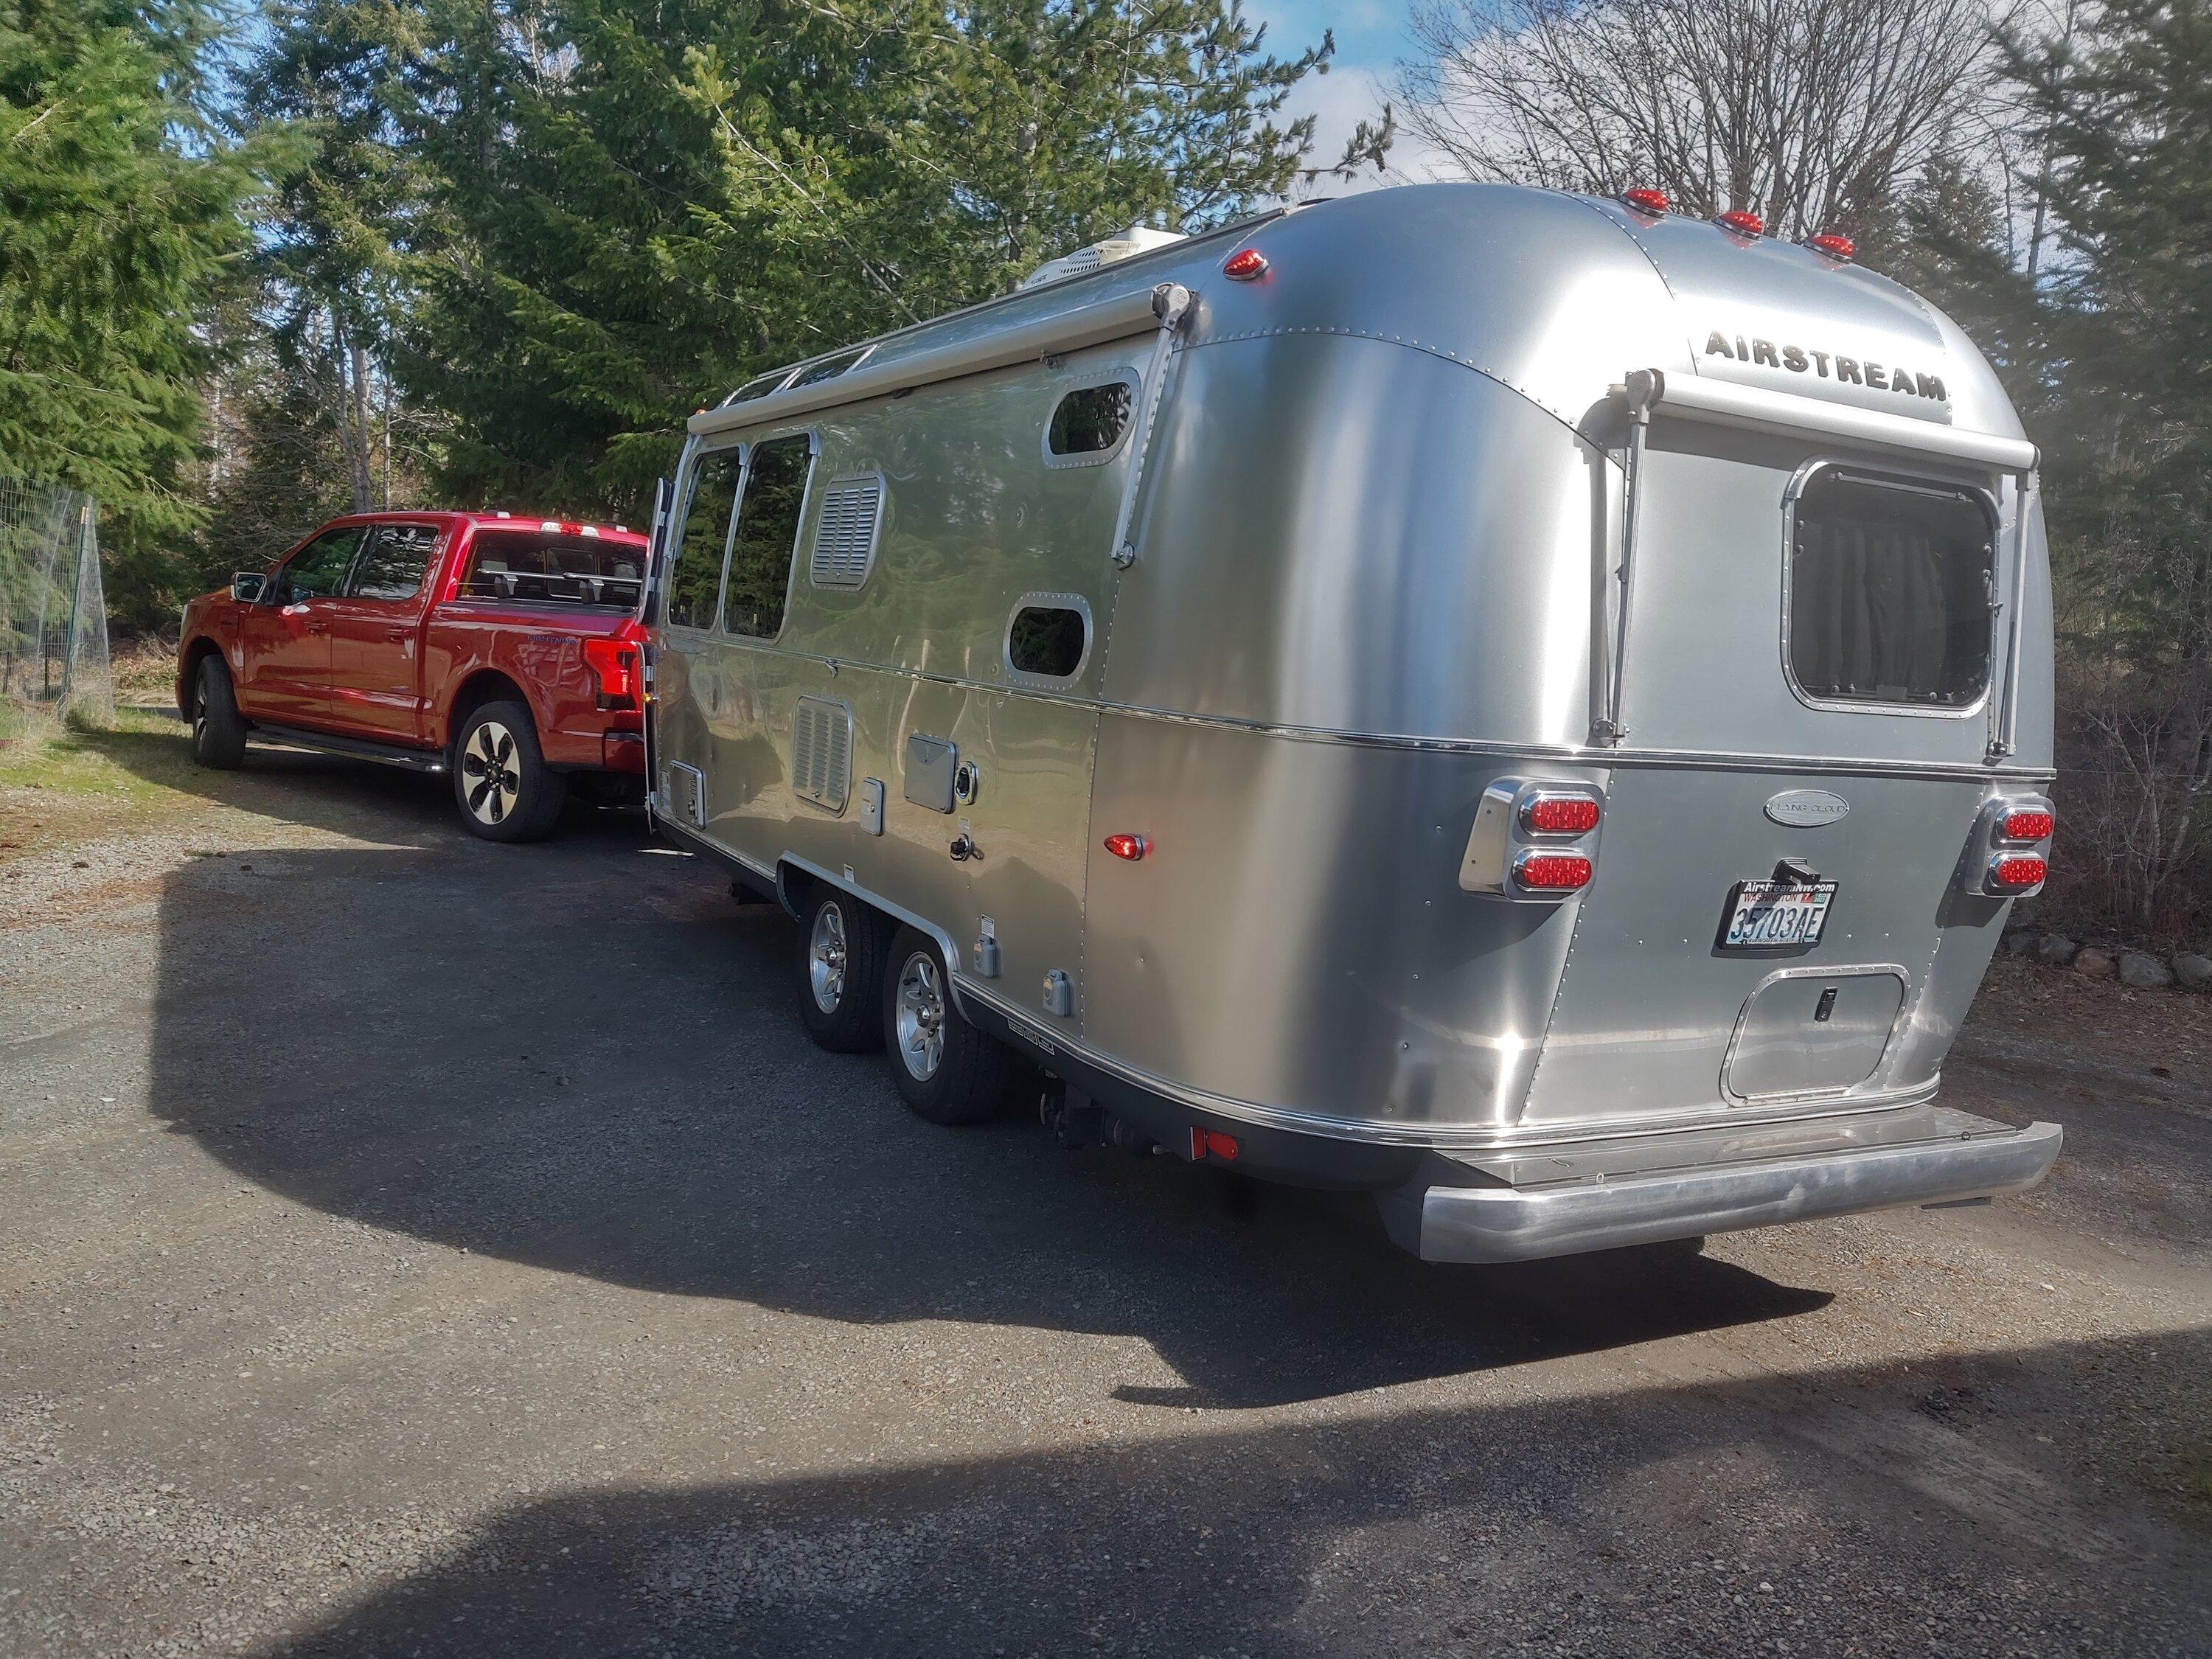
(395, 634)
(318, 628)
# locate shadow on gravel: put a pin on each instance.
(1869, 1510)
(582, 1055)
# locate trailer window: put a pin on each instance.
(1890, 581)
(1089, 421)
(766, 537)
(695, 575)
(1047, 641)
(550, 568)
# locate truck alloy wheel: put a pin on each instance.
(505, 789)
(493, 782)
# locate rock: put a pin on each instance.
(2056, 949)
(2021, 942)
(2144, 971)
(2193, 971)
(2098, 964)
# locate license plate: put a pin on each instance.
(1768, 914)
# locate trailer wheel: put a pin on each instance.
(840, 971)
(218, 729)
(948, 1070)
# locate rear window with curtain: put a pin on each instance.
(550, 568)
(1890, 585)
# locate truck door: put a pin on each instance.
(284, 646)
(376, 638)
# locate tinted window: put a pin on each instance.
(1889, 592)
(1091, 419)
(759, 387)
(830, 367)
(552, 568)
(393, 566)
(320, 568)
(1047, 640)
(768, 532)
(697, 571)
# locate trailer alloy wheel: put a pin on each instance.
(506, 791)
(947, 1070)
(841, 963)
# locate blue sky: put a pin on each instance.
(1371, 38)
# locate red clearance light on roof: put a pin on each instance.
(1551, 872)
(1212, 1142)
(1245, 264)
(613, 663)
(1834, 244)
(2027, 823)
(1742, 223)
(1128, 847)
(2017, 871)
(1559, 815)
(1653, 202)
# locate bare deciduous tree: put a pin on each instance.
(1812, 113)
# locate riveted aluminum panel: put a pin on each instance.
(1814, 1031)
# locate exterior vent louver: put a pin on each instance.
(822, 752)
(845, 536)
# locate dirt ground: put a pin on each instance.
(413, 1246)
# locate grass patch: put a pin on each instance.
(63, 783)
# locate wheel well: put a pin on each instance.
(195, 653)
(486, 686)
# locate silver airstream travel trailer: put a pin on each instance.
(1528, 705)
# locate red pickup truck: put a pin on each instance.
(500, 650)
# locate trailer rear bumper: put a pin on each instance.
(1563, 1200)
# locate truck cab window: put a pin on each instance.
(394, 565)
(696, 574)
(1091, 420)
(766, 537)
(1890, 582)
(318, 569)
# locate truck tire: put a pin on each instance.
(218, 729)
(505, 789)
(841, 972)
(949, 1072)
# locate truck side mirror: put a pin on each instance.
(247, 587)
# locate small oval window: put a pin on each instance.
(1090, 419)
(1046, 642)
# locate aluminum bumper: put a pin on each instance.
(1599, 1196)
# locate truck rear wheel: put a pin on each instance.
(218, 729)
(505, 788)
(840, 973)
(949, 1072)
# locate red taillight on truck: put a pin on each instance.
(2015, 872)
(614, 664)
(1551, 872)
(1559, 815)
(2027, 823)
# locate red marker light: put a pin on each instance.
(1835, 245)
(1245, 265)
(1212, 1142)
(1128, 847)
(2027, 823)
(1551, 872)
(1653, 202)
(1559, 815)
(1742, 223)
(2016, 871)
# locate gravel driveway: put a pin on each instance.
(414, 1246)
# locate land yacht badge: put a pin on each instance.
(1807, 809)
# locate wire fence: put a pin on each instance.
(53, 613)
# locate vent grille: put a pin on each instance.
(845, 536)
(822, 752)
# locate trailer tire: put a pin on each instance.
(218, 729)
(948, 1071)
(520, 800)
(842, 945)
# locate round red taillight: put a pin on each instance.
(2018, 870)
(1559, 815)
(1834, 244)
(1128, 847)
(1644, 200)
(1742, 223)
(1245, 264)
(2028, 823)
(1551, 872)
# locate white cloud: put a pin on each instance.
(1338, 101)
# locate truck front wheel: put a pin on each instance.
(218, 729)
(506, 791)
(948, 1070)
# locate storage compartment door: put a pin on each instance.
(1810, 1031)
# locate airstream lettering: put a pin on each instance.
(1407, 713)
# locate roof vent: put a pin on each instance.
(1125, 245)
